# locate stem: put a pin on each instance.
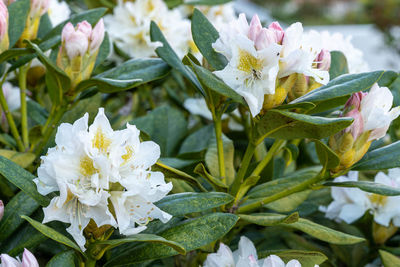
(220, 147)
(248, 155)
(90, 262)
(10, 119)
(24, 111)
(271, 152)
(54, 120)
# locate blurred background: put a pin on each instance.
(373, 24)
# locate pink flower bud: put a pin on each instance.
(7, 261)
(354, 102)
(277, 29)
(3, 20)
(264, 39)
(85, 28)
(255, 28)
(97, 36)
(39, 7)
(352, 109)
(1, 209)
(324, 60)
(28, 259)
(76, 42)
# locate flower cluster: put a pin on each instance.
(350, 204)
(129, 27)
(372, 113)
(103, 176)
(258, 57)
(79, 49)
(28, 260)
(245, 256)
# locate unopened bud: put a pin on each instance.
(324, 60)
(8, 261)
(264, 39)
(39, 7)
(255, 28)
(278, 31)
(97, 36)
(299, 87)
(1, 209)
(29, 260)
(75, 42)
(274, 100)
(4, 41)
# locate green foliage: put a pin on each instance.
(338, 65)
(386, 157)
(17, 15)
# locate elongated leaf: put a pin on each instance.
(209, 80)
(104, 50)
(197, 141)
(65, 258)
(185, 203)
(246, 185)
(170, 57)
(270, 219)
(23, 159)
(338, 65)
(388, 259)
(17, 15)
(52, 234)
(26, 237)
(306, 258)
(204, 35)
(327, 156)
(383, 158)
(21, 179)
(216, 182)
(336, 92)
(20, 204)
(192, 234)
(280, 124)
(289, 203)
(367, 186)
(14, 52)
(143, 238)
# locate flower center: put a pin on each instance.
(86, 167)
(128, 155)
(250, 64)
(378, 200)
(100, 141)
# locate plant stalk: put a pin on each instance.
(220, 147)
(24, 110)
(248, 155)
(270, 154)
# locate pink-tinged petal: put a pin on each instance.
(67, 31)
(1, 209)
(97, 35)
(357, 127)
(278, 31)
(255, 28)
(265, 38)
(85, 28)
(28, 259)
(324, 60)
(8, 261)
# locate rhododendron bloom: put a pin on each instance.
(59, 11)
(251, 72)
(245, 256)
(91, 166)
(28, 260)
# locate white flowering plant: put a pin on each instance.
(179, 133)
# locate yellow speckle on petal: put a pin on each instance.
(248, 63)
(86, 167)
(378, 200)
(100, 141)
(128, 155)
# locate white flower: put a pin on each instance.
(58, 12)
(245, 256)
(91, 166)
(251, 72)
(12, 95)
(28, 260)
(129, 27)
(350, 204)
(299, 54)
(377, 112)
(354, 56)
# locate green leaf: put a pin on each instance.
(246, 186)
(23, 159)
(17, 15)
(306, 258)
(172, 173)
(191, 234)
(14, 52)
(165, 125)
(21, 179)
(56, 80)
(337, 91)
(143, 238)
(170, 57)
(20, 204)
(270, 219)
(52, 234)
(383, 158)
(388, 78)
(327, 156)
(185, 203)
(204, 35)
(197, 141)
(45, 25)
(211, 158)
(367, 186)
(65, 258)
(201, 170)
(104, 50)
(282, 124)
(209, 80)
(388, 259)
(289, 203)
(338, 65)
(126, 76)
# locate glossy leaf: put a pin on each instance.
(282, 124)
(204, 35)
(52, 234)
(13, 53)
(383, 158)
(327, 156)
(20, 204)
(65, 258)
(338, 65)
(21, 179)
(367, 186)
(306, 258)
(289, 203)
(185, 203)
(197, 141)
(104, 50)
(270, 219)
(26, 237)
(23, 159)
(17, 15)
(170, 57)
(192, 234)
(388, 259)
(216, 182)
